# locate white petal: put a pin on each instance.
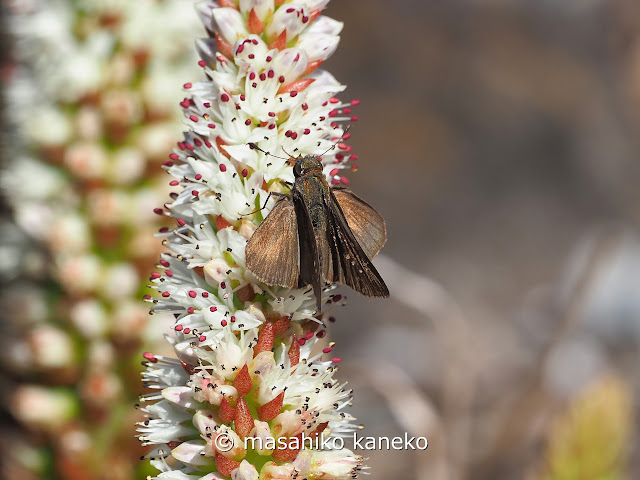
(186, 353)
(245, 471)
(324, 24)
(314, 5)
(182, 396)
(319, 46)
(191, 453)
(289, 18)
(303, 461)
(213, 476)
(291, 63)
(263, 433)
(261, 7)
(252, 45)
(263, 363)
(246, 319)
(175, 475)
(231, 355)
(333, 464)
(215, 270)
(204, 421)
(228, 22)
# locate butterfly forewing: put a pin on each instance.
(273, 252)
(364, 221)
(355, 268)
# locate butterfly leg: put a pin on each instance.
(275, 194)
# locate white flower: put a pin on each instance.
(228, 23)
(291, 392)
(89, 318)
(245, 471)
(51, 347)
(333, 464)
(42, 407)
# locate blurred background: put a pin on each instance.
(498, 139)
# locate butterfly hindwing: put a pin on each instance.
(364, 221)
(355, 269)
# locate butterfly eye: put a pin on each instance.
(297, 169)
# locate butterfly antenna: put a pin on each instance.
(254, 146)
(346, 130)
(291, 160)
(290, 156)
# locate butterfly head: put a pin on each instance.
(306, 165)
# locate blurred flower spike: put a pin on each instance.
(252, 359)
(92, 87)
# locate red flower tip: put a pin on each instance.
(281, 325)
(228, 4)
(246, 293)
(271, 409)
(265, 339)
(319, 429)
(315, 13)
(221, 143)
(288, 454)
(242, 382)
(243, 421)
(294, 351)
(280, 42)
(255, 24)
(221, 223)
(297, 86)
(225, 465)
(311, 66)
(224, 47)
(226, 412)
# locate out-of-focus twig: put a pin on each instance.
(429, 298)
(413, 410)
(567, 301)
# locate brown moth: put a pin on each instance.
(318, 234)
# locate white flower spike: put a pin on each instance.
(252, 358)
